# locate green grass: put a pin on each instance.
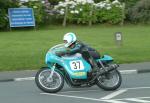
(20, 50)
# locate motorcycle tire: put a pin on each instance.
(43, 83)
(103, 79)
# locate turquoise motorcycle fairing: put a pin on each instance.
(74, 65)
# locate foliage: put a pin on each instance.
(112, 16)
(54, 2)
(79, 11)
(129, 3)
(4, 5)
(39, 10)
(140, 13)
(128, 7)
(97, 1)
(83, 11)
(81, 14)
(109, 12)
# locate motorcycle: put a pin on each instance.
(76, 71)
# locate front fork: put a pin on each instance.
(94, 63)
(103, 67)
(52, 72)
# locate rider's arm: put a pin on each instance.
(76, 49)
(71, 51)
(60, 53)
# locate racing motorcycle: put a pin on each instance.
(76, 72)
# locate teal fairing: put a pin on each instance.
(75, 65)
(105, 58)
(51, 57)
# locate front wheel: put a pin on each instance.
(109, 81)
(46, 84)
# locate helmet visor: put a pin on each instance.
(65, 41)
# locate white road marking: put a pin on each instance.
(128, 71)
(138, 100)
(85, 98)
(136, 97)
(114, 94)
(122, 72)
(79, 91)
(108, 98)
(138, 88)
(23, 79)
(114, 101)
(143, 97)
(98, 88)
(60, 95)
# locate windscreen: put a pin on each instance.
(58, 48)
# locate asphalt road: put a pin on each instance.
(145, 66)
(134, 89)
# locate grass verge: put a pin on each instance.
(21, 50)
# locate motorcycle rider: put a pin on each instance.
(73, 46)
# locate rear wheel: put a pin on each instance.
(46, 84)
(109, 81)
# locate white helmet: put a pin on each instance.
(69, 39)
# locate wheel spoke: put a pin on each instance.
(56, 79)
(109, 80)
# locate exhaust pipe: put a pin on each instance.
(113, 66)
(108, 69)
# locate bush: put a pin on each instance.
(81, 14)
(97, 1)
(4, 5)
(39, 10)
(54, 2)
(140, 13)
(129, 3)
(109, 12)
(128, 6)
(82, 11)
(3, 18)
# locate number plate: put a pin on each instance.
(77, 65)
